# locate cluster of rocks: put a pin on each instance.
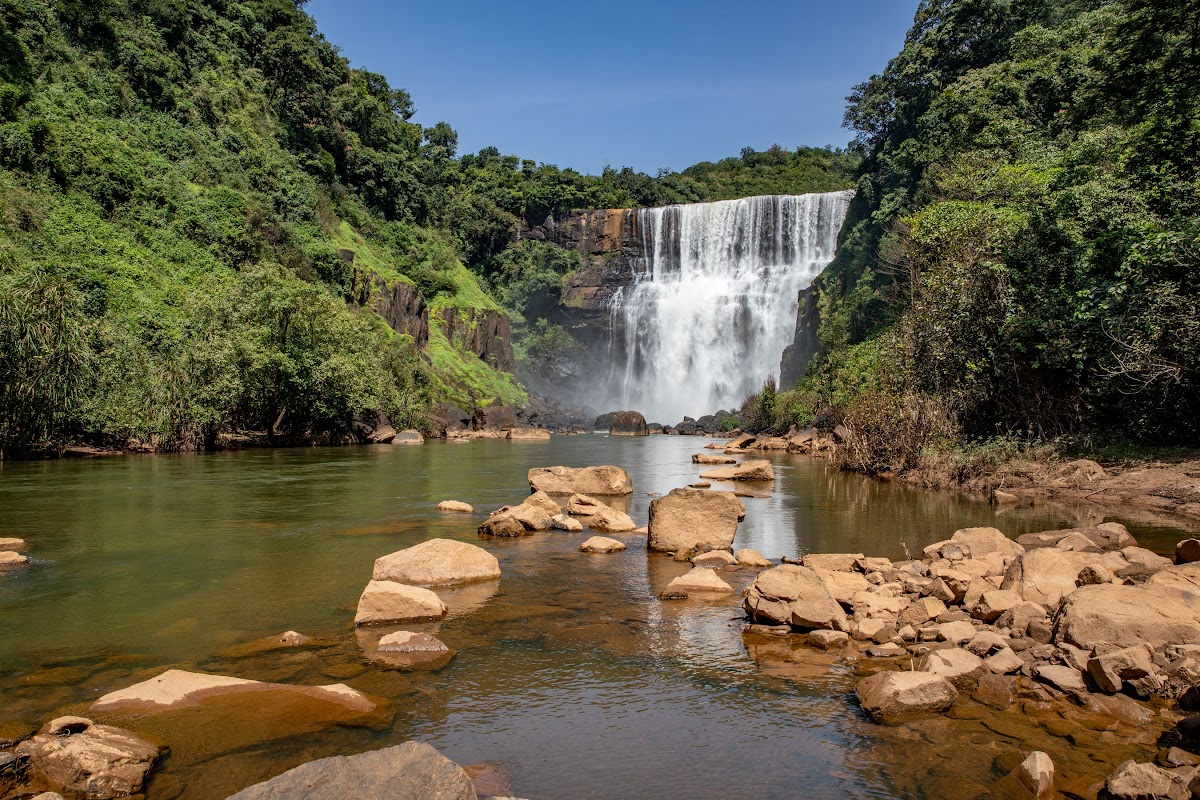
(12, 552)
(632, 423)
(540, 512)
(1082, 614)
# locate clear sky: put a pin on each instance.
(645, 84)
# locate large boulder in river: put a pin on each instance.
(496, 417)
(688, 519)
(628, 423)
(898, 696)
(437, 562)
(793, 595)
(387, 601)
(606, 480)
(75, 755)
(753, 470)
(609, 520)
(410, 771)
(1158, 612)
(1047, 575)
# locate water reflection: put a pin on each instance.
(570, 673)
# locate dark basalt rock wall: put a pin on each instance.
(487, 334)
(805, 342)
(400, 304)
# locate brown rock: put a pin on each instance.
(981, 541)
(698, 580)
(749, 557)
(96, 761)
(388, 601)
(408, 437)
(1036, 774)
(838, 562)
(437, 562)
(1125, 616)
(793, 595)
(456, 506)
(501, 526)
(705, 458)
(897, 696)
(1112, 670)
(606, 480)
(629, 423)
(960, 667)
(754, 470)
(1133, 781)
(1186, 551)
(601, 544)
(526, 434)
(689, 518)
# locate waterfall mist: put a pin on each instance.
(713, 302)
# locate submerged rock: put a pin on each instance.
(411, 650)
(605, 480)
(685, 519)
(437, 562)
(698, 580)
(524, 434)
(178, 688)
(602, 544)
(898, 696)
(503, 525)
(706, 458)
(410, 770)
(97, 761)
(1036, 774)
(456, 505)
(408, 437)
(387, 601)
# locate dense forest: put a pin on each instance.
(1022, 260)
(196, 199)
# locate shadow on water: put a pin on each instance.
(570, 674)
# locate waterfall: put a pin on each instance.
(713, 300)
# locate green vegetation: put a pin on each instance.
(1021, 257)
(194, 198)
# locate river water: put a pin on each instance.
(572, 677)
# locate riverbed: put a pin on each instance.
(573, 677)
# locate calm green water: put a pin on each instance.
(573, 676)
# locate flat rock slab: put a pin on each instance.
(698, 580)
(437, 562)
(708, 458)
(753, 470)
(13, 544)
(8, 558)
(749, 557)
(457, 506)
(178, 688)
(605, 480)
(411, 771)
(602, 544)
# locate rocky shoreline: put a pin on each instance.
(1079, 623)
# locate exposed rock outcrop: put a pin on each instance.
(628, 423)
(410, 770)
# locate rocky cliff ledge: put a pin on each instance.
(400, 303)
(609, 241)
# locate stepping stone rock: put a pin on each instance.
(609, 520)
(698, 580)
(606, 480)
(897, 696)
(749, 557)
(564, 523)
(602, 544)
(501, 526)
(387, 601)
(13, 544)
(10, 559)
(410, 650)
(96, 761)
(753, 470)
(686, 519)
(707, 458)
(714, 559)
(437, 562)
(409, 770)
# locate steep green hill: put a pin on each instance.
(1022, 255)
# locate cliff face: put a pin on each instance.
(400, 304)
(486, 333)
(609, 241)
(805, 340)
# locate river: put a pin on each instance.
(574, 678)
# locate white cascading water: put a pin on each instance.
(708, 315)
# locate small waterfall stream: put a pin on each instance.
(713, 304)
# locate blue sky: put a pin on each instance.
(643, 84)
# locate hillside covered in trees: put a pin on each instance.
(201, 202)
(1023, 255)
